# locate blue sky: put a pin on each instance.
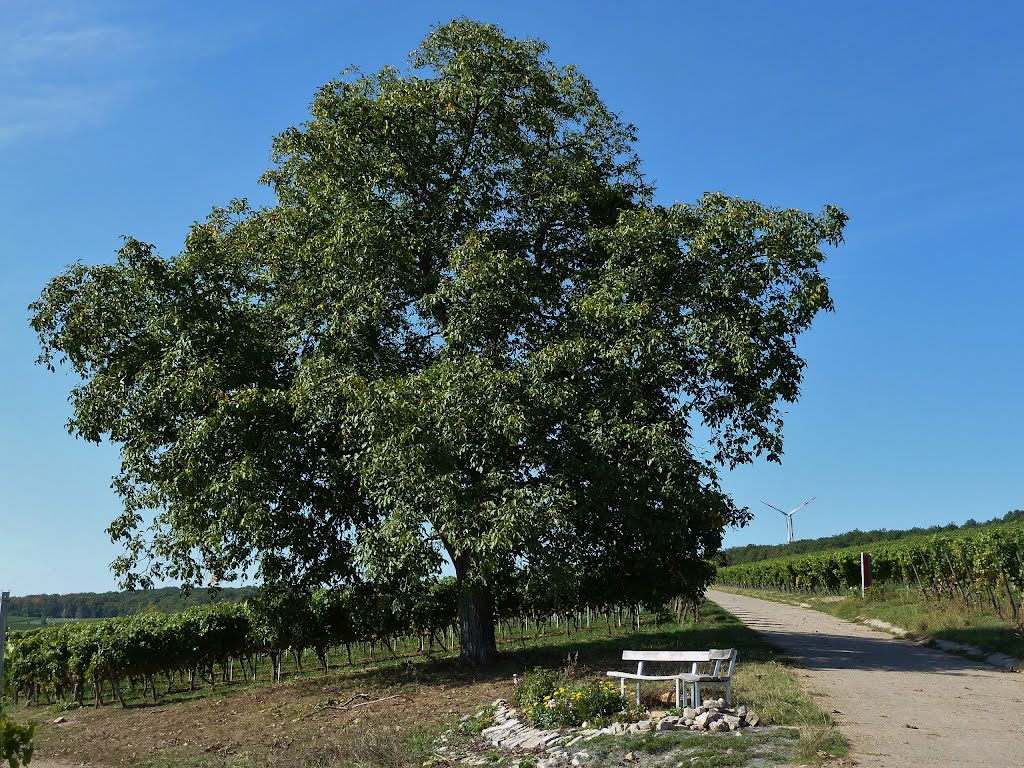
(135, 118)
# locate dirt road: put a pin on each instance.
(900, 705)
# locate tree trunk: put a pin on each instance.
(476, 620)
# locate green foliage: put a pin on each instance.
(65, 659)
(550, 701)
(974, 566)
(104, 605)
(475, 724)
(67, 656)
(632, 712)
(16, 744)
(464, 331)
(856, 538)
(534, 687)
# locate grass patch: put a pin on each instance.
(747, 748)
(905, 607)
(653, 744)
(778, 698)
(473, 725)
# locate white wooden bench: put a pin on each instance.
(693, 679)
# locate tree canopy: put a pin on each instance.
(464, 333)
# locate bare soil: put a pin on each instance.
(297, 723)
(900, 704)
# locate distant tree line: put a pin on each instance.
(753, 553)
(106, 605)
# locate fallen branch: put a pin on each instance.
(348, 705)
(378, 701)
(342, 706)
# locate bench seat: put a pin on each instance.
(703, 679)
(633, 676)
(717, 677)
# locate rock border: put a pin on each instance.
(511, 731)
(1001, 660)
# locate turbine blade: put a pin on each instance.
(773, 507)
(804, 504)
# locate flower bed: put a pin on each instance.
(551, 701)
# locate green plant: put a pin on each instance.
(474, 724)
(534, 687)
(632, 713)
(16, 741)
(575, 704)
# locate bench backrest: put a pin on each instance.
(685, 656)
(715, 655)
(718, 656)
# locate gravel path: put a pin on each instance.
(900, 705)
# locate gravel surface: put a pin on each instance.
(901, 705)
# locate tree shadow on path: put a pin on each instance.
(822, 642)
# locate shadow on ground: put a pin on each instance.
(717, 629)
(821, 650)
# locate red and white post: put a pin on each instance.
(3, 636)
(865, 572)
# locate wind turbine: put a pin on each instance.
(789, 516)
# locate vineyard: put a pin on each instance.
(982, 567)
(232, 642)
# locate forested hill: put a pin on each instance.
(102, 605)
(754, 552)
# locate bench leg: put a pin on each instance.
(677, 693)
(638, 693)
(728, 693)
(696, 695)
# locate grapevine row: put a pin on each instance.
(979, 567)
(225, 642)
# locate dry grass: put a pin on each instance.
(781, 702)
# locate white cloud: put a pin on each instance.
(51, 109)
(60, 71)
(30, 47)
